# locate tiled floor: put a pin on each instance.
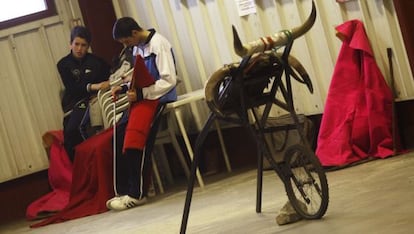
(373, 197)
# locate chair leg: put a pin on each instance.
(162, 162)
(180, 122)
(157, 175)
(223, 146)
(178, 150)
(259, 183)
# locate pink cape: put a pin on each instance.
(92, 180)
(60, 178)
(357, 120)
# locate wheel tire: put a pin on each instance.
(309, 195)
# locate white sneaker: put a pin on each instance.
(113, 199)
(124, 202)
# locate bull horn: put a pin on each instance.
(297, 66)
(211, 89)
(278, 39)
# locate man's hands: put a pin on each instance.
(115, 91)
(133, 95)
(104, 85)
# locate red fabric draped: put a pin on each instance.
(60, 179)
(141, 77)
(140, 119)
(92, 180)
(357, 120)
(142, 112)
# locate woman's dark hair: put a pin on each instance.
(82, 32)
(123, 27)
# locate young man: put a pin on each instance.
(82, 74)
(153, 82)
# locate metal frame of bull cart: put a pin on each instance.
(237, 97)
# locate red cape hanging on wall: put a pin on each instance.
(357, 120)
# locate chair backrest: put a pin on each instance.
(124, 67)
(109, 111)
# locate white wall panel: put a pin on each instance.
(18, 120)
(29, 101)
(189, 47)
(219, 33)
(200, 32)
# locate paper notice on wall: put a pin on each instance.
(246, 7)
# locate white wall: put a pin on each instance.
(200, 31)
(30, 86)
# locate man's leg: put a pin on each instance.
(121, 161)
(137, 193)
(84, 124)
(136, 161)
(71, 133)
(139, 124)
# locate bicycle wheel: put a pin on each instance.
(306, 183)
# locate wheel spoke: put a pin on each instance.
(308, 188)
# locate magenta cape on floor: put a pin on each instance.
(60, 178)
(357, 120)
(92, 183)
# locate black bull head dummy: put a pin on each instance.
(260, 63)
